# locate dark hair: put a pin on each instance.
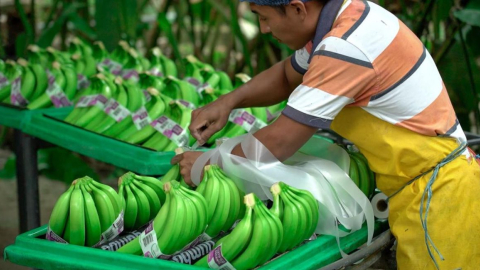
(282, 10)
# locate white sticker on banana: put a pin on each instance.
(92, 100)
(148, 243)
(114, 230)
(216, 260)
(82, 82)
(156, 72)
(246, 120)
(16, 97)
(56, 94)
(187, 104)
(116, 110)
(141, 118)
(3, 80)
(171, 130)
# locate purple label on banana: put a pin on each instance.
(3, 80)
(82, 82)
(187, 104)
(16, 97)
(52, 236)
(193, 81)
(216, 260)
(60, 101)
(130, 74)
(140, 114)
(147, 95)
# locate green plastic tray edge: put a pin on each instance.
(99, 147)
(39, 253)
(33, 252)
(314, 255)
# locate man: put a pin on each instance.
(361, 72)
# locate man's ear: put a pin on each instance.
(299, 9)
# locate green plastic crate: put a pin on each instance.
(32, 250)
(19, 117)
(49, 127)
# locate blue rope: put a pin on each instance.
(428, 192)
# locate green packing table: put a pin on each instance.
(32, 250)
(49, 127)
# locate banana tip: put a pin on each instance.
(178, 151)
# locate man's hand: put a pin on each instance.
(186, 161)
(209, 119)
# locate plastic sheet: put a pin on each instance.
(319, 168)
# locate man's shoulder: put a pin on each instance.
(361, 23)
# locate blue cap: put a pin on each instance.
(270, 2)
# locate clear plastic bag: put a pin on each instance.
(319, 167)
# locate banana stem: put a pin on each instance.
(249, 200)
(276, 189)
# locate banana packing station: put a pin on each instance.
(242, 134)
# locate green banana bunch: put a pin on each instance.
(23, 87)
(252, 242)
(87, 214)
(298, 211)
(84, 113)
(173, 129)
(141, 202)
(133, 66)
(234, 243)
(37, 61)
(240, 79)
(115, 109)
(147, 79)
(120, 53)
(225, 83)
(156, 64)
(361, 174)
(2, 65)
(99, 52)
(136, 101)
(199, 64)
(37, 55)
(182, 91)
(223, 200)
(10, 72)
(57, 82)
(61, 57)
(193, 73)
(155, 108)
(180, 220)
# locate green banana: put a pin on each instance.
(60, 212)
(77, 217)
(93, 228)
(235, 242)
(131, 210)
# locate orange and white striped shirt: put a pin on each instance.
(362, 55)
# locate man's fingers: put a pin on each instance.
(176, 159)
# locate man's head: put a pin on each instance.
(292, 22)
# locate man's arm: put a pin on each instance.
(269, 87)
(282, 144)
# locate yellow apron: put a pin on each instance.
(397, 155)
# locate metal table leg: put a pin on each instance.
(27, 181)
